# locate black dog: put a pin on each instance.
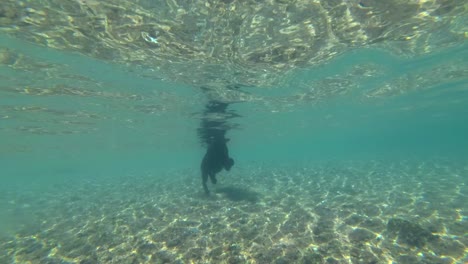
(213, 134)
(215, 159)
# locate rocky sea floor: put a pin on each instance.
(375, 212)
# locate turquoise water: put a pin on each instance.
(100, 163)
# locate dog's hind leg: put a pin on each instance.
(204, 180)
(213, 178)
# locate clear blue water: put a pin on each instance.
(424, 123)
(101, 150)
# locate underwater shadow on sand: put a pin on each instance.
(238, 194)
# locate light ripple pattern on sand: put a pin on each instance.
(347, 212)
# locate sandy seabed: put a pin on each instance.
(374, 212)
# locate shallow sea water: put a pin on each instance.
(359, 155)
